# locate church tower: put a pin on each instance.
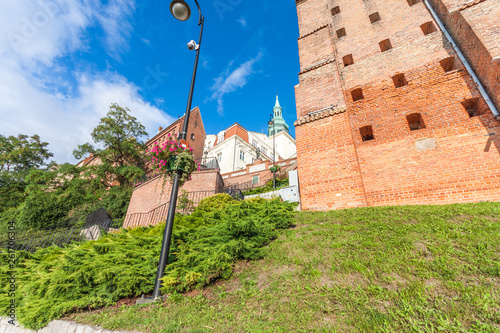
(279, 122)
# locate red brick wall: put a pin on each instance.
(155, 192)
(476, 30)
(237, 178)
(195, 127)
(461, 161)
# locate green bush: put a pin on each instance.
(215, 202)
(54, 281)
(268, 187)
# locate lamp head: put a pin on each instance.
(270, 123)
(180, 10)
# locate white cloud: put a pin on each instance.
(66, 121)
(230, 81)
(243, 22)
(34, 35)
(117, 28)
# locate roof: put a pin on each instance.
(171, 126)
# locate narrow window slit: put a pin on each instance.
(428, 28)
(399, 80)
(366, 133)
(415, 121)
(412, 2)
(471, 106)
(341, 33)
(375, 17)
(385, 45)
(335, 10)
(348, 60)
(448, 64)
(357, 94)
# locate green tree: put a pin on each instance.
(18, 156)
(120, 159)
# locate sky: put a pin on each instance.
(64, 62)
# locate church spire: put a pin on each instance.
(279, 122)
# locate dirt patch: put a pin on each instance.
(351, 280)
(422, 249)
(262, 281)
(284, 269)
(324, 281)
(432, 282)
(299, 226)
(396, 282)
(461, 219)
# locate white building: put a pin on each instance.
(235, 147)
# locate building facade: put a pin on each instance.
(387, 112)
(236, 147)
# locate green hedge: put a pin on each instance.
(54, 281)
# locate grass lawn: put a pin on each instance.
(389, 269)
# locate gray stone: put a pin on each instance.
(56, 326)
(426, 144)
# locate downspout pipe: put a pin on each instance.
(480, 87)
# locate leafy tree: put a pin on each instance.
(18, 156)
(120, 160)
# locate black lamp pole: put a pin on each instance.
(271, 123)
(181, 11)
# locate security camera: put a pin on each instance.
(192, 45)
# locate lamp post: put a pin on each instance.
(181, 11)
(271, 123)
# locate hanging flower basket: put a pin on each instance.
(170, 157)
(275, 168)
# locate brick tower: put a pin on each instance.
(387, 113)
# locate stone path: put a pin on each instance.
(56, 326)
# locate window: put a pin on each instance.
(357, 94)
(428, 28)
(255, 179)
(366, 133)
(264, 151)
(220, 137)
(375, 17)
(399, 80)
(254, 143)
(415, 121)
(219, 157)
(385, 45)
(335, 10)
(448, 64)
(192, 136)
(348, 60)
(471, 106)
(242, 155)
(341, 33)
(412, 2)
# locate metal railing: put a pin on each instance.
(235, 193)
(63, 234)
(159, 214)
(208, 163)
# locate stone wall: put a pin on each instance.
(156, 192)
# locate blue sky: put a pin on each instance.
(63, 62)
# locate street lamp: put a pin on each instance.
(181, 11)
(271, 123)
